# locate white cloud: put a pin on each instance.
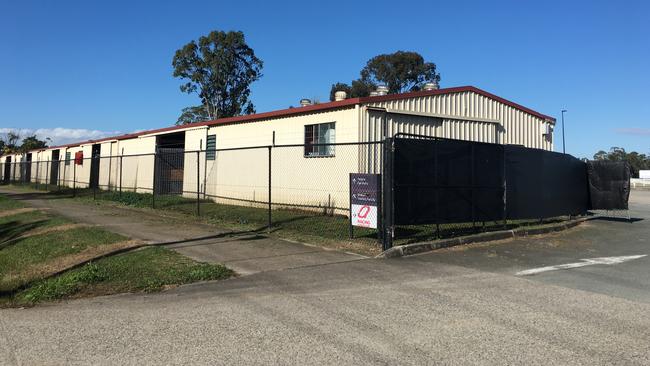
(633, 131)
(60, 135)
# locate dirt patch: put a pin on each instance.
(17, 211)
(44, 270)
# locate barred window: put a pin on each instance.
(323, 133)
(68, 156)
(211, 147)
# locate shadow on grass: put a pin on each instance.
(12, 230)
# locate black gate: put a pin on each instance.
(169, 170)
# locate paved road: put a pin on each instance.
(459, 306)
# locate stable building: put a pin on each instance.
(227, 159)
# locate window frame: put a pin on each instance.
(68, 156)
(322, 151)
(211, 153)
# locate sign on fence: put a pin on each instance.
(364, 199)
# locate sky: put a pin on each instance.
(74, 70)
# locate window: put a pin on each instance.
(211, 147)
(324, 133)
(68, 155)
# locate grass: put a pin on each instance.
(148, 270)
(301, 225)
(310, 226)
(9, 204)
(34, 240)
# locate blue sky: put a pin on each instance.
(97, 67)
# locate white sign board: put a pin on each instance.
(364, 199)
(364, 216)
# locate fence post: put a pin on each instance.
(74, 178)
(155, 165)
(505, 191)
(198, 183)
(351, 228)
(121, 156)
(38, 166)
(437, 189)
(269, 193)
(47, 175)
(387, 186)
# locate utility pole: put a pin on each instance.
(563, 142)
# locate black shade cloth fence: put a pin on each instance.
(609, 185)
(438, 181)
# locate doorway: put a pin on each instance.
(54, 169)
(7, 173)
(169, 163)
(94, 165)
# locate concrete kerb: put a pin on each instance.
(416, 248)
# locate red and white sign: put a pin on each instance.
(364, 216)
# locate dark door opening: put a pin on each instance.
(7, 173)
(54, 169)
(170, 162)
(28, 169)
(94, 166)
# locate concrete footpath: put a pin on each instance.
(244, 253)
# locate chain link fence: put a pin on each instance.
(300, 190)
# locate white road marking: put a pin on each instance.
(584, 263)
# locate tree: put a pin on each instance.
(193, 115)
(401, 72)
(10, 142)
(32, 143)
(634, 159)
(220, 68)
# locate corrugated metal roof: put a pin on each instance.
(310, 109)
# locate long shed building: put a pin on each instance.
(303, 173)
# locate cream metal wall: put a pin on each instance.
(464, 116)
(241, 176)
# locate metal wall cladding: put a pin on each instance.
(472, 117)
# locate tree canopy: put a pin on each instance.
(220, 68)
(9, 143)
(634, 159)
(193, 115)
(401, 72)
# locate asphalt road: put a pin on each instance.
(458, 306)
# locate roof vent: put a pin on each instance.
(305, 102)
(382, 90)
(432, 85)
(340, 95)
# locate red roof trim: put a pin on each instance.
(314, 108)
